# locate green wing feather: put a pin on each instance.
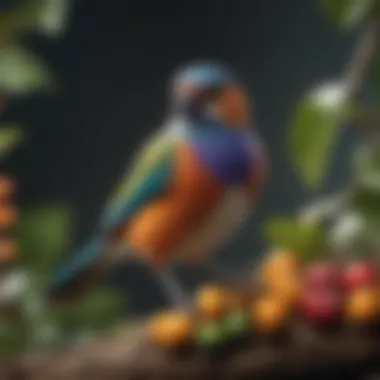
(148, 178)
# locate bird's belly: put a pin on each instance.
(218, 227)
(168, 231)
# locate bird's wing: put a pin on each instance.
(149, 177)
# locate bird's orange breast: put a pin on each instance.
(158, 229)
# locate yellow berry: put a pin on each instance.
(269, 314)
(211, 301)
(171, 329)
(362, 306)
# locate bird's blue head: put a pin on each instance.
(210, 92)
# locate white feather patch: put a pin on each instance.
(222, 223)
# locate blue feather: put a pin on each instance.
(205, 74)
(80, 261)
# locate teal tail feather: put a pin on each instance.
(80, 263)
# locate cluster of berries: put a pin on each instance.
(319, 292)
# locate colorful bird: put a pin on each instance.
(191, 186)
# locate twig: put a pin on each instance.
(359, 64)
(355, 75)
(367, 118)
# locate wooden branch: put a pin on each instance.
(303, 352)
(107, 354)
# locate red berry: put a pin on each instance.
(322, 307)
(323, 275)
(360, 274)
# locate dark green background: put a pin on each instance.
(114, 63)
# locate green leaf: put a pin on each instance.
(307, 239)
(14, 338)
(314, 132)
(44, 234)
(10, 139)
(366, 169)
(366, 202)
(48, 17)
(14, 22)
(21, 72)
(52, 16)
(348, 13)
(46, 335)
(99, 311)
(32, 303)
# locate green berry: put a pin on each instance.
(237, 324)
(211, 335)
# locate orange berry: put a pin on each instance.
(8, 216)
(288, 284)
(7, 187)
(171, 329)
(286, 259)
(362, 306)
(269, 314)
(287, 289)
(279, 263)
(8, 250)
(211, 301)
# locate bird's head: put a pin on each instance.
(210, 92)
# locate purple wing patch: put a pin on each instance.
(229, 158)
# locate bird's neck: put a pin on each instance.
(208, 120)
(210, 130)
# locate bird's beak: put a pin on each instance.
(233, 107)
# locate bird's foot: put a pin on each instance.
(174, 291)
